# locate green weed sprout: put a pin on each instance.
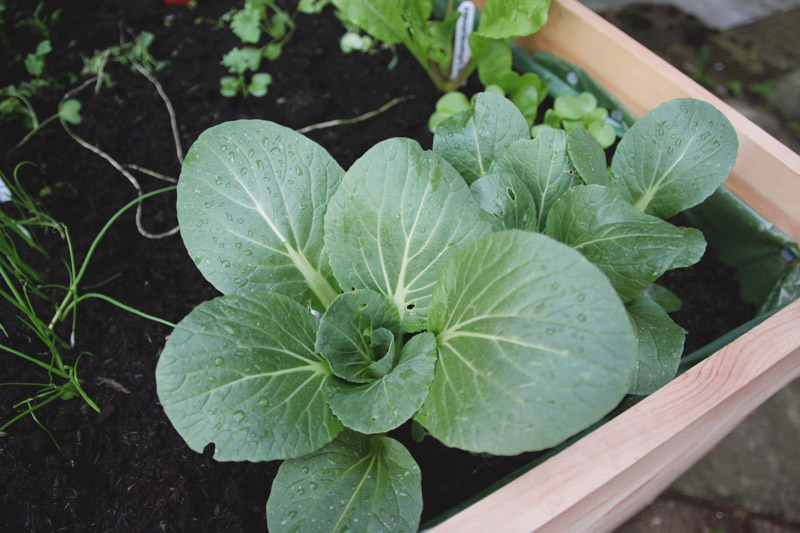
(258, 18)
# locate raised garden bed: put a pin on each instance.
(113, 465)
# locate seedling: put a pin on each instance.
(15, 104)
(258, 18)
(431, 41)
(571, 112)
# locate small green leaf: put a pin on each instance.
(398, 216)
(569, 107)
(229, 86)
(660, 343)
(346, 329)
(383, 404)
(588, 157)
(43, 48)
(273, 51)
(241, 372)
(251, 200)
(604, 133)
(382, 342)
(452, 103)
(534, 345)
(259, 84)
(240, 60)
(245, 24)
(668, 300)
(631, 248)
(34, 64)
(507, 19)
(356, 483)
(506, 198)
(543, 166)
(70, 111)
(674, 157)
(473, 139)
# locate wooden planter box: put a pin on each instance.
(605, 478)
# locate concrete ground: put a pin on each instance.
(748, 53)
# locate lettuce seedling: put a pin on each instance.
(431, 41)
(571, 112)
(488, 289)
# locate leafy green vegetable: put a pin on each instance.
(528, 340)
(573, 112)
(241, 372)
(533, 346)
(251, 201)
(507, 19)
(506, 198)
(431, 42)
(660, 343)
(588, 158)
(543, 166)
(668, 300)
(473, 139)
(674, 157)
(386, 402)
(398, 216)
(356, 483)
(346, 332)
(631, 248)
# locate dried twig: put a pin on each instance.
(167, 102)
(113, 162)
(368, 115)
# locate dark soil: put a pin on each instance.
(125, 468)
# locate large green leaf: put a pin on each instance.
(356, 483)
(631, 248)
(241, 372)
(398, 216)
(380, 18)
(674, 157)
(251, 201)
(587, 157)
(385, 403)
(346, 330)
(506, 19)
(542, 164)
(507, 200)
(534, 345)
(473, 139)
(660, 343)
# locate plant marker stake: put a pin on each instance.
(461, 51)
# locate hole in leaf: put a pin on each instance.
(511, 194)
(411, 306)
(361, 307)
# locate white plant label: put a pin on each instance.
(461, 51)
